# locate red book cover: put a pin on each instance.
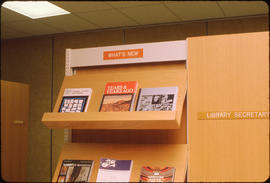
(118, 96)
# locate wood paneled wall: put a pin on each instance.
(228, 73)
(29, 60)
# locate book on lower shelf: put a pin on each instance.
(75, 100)
(149, 174)
(111, 170)
(157, 99)
(118, 96)
(75, 171)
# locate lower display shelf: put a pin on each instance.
(154, 155)
(114, 120)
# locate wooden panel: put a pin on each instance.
(228, 73)
(14, 143)
(113, 120)
(156, 155)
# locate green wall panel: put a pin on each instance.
(29, 61)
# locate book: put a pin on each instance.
(111, 170)
(157, 99)
(118, 96)
(149, 174)
(75, 100)
(75, 171)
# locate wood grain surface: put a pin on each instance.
(14, 130)
(228, 73)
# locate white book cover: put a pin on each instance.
(75, 100)
(157, 99)
(111, 170)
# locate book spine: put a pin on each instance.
(139, 94)
(87, 101)
(133, 97)
(132, 102)
(101, 103)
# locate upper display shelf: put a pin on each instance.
(127, 54)
(163, 74)
(171, 74)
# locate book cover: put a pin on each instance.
(75, 100)
(118, 96)
(157, 99)
(75, 171)
(111, 170)
(149, 174)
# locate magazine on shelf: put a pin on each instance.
(111, 170)
(157, 99)
(118, 96)
(75, 100)
(149, 174)
(75, 171)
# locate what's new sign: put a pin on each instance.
(123, 54)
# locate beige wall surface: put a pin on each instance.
(29, 60)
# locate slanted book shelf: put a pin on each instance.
(155, 138)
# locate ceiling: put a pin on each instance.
(87, 15)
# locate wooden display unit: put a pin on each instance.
(149, 138)
(226, 73)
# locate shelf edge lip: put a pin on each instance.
(106, 116)
(73, 125)
(71, 121)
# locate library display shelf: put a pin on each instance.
(114, 120)
(87, 68)
(154, 155)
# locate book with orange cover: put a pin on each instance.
(118, 96)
